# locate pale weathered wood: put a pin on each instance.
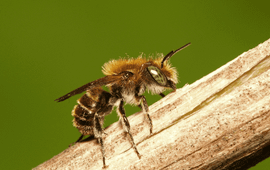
(221, 121)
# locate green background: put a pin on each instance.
(49, 48)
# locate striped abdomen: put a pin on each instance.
(94, 101)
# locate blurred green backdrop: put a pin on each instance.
(49, 48)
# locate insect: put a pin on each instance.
(127, 80)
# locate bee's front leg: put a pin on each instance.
(144, 107)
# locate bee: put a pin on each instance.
(127, 80)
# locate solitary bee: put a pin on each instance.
(127, 80)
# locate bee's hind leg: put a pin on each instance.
(79, 140)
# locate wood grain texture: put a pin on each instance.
(221, 121)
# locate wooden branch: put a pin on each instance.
(221, 121)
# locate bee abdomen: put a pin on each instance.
(84, 114)
(94, 101)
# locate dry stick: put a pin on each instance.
(221, 121)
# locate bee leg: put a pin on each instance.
(88, 138)
(103, 152)
(79, 140)
(126, 126)
(145, 109)
(140, 106)
(162, 95)
(98, 134)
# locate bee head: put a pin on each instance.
(158, 81)
(164, 76)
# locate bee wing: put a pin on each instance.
(99, 82)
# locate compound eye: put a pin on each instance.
(157, 75)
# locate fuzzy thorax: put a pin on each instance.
(114, 67)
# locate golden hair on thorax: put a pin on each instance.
(134, 65)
